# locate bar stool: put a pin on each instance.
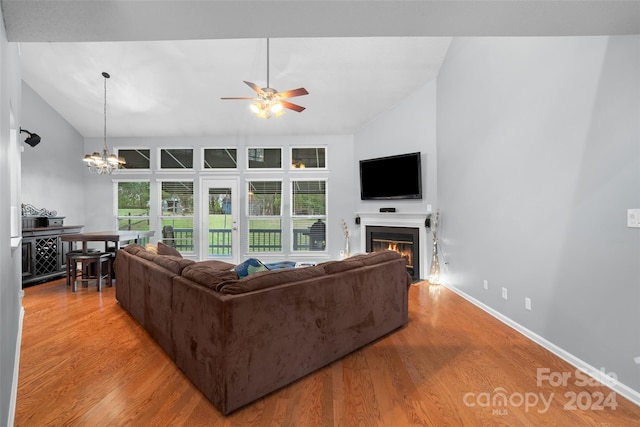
(90, 262)
(68, 262)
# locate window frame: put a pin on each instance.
(298, 147)
(161, 169)
(161, 217)
(293, 216)
(219, 170)
(249, 217)
(134, 171)
(250, 169)
(116, 217)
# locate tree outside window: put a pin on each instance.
(133, 205)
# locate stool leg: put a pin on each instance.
(99, 275)
(108, 273)
(74, 272)
(68, 269)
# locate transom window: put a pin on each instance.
(220, 158)
(308, 158)
(264, 158)
(176, 158)
(136, 158)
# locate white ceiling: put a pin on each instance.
(172, 60)
(164, 88)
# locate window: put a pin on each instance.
(176, 214)
(265, 158)
(132, 207)
(309, 215)
(264, 214)
(136, 158)
(176, 158)
(220, 158)
(308, 158)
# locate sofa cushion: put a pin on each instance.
(146, 255)
(377, 257)
(150, 247)
(209, 273)
(133, 248)
(267, 279)
(332, 267)
(167, 250)
(173, 263)
(249, 266)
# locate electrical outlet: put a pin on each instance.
(504, 293)
(485, 284)
(527, 303)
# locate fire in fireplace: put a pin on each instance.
(404, 240)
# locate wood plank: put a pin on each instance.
(84, 361)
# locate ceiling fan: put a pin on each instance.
(270, 102)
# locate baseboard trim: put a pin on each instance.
(615, 385)
(16, 370)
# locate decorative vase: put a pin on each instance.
(434, 273)
(347, 247)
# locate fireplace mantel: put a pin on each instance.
(399, 219)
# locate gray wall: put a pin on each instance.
(408, 127)
(538, 161)
(10, 263)
(52, 171)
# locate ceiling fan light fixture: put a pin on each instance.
(270, 102)
(255, 107)
(276, 107)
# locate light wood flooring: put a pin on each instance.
(86, 362)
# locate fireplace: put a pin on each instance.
(404, 240)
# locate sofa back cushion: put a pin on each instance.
(173, 263)
(267, 279)
(332, 267)
(133, 248)
(209, 273)
(168, 250)
(149, 256)
(377, 257)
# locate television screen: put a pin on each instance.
(394, 177)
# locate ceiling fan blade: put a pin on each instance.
(239, 98)
(255, 87)
(295, 92)
(291, 106)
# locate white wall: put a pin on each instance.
(538, 161)
(10, 260)
(52, 171)
(409, 127)
(340, 186)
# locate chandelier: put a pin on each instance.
(105, 163)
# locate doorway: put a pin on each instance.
(220, 223)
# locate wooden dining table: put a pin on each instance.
(107, 237)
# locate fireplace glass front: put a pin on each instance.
(404, 240)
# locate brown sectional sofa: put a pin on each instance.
(240, 339)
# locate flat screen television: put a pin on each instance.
(393, 177)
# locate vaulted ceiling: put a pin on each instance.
(171, 61)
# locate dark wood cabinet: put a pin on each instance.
(44, 253)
